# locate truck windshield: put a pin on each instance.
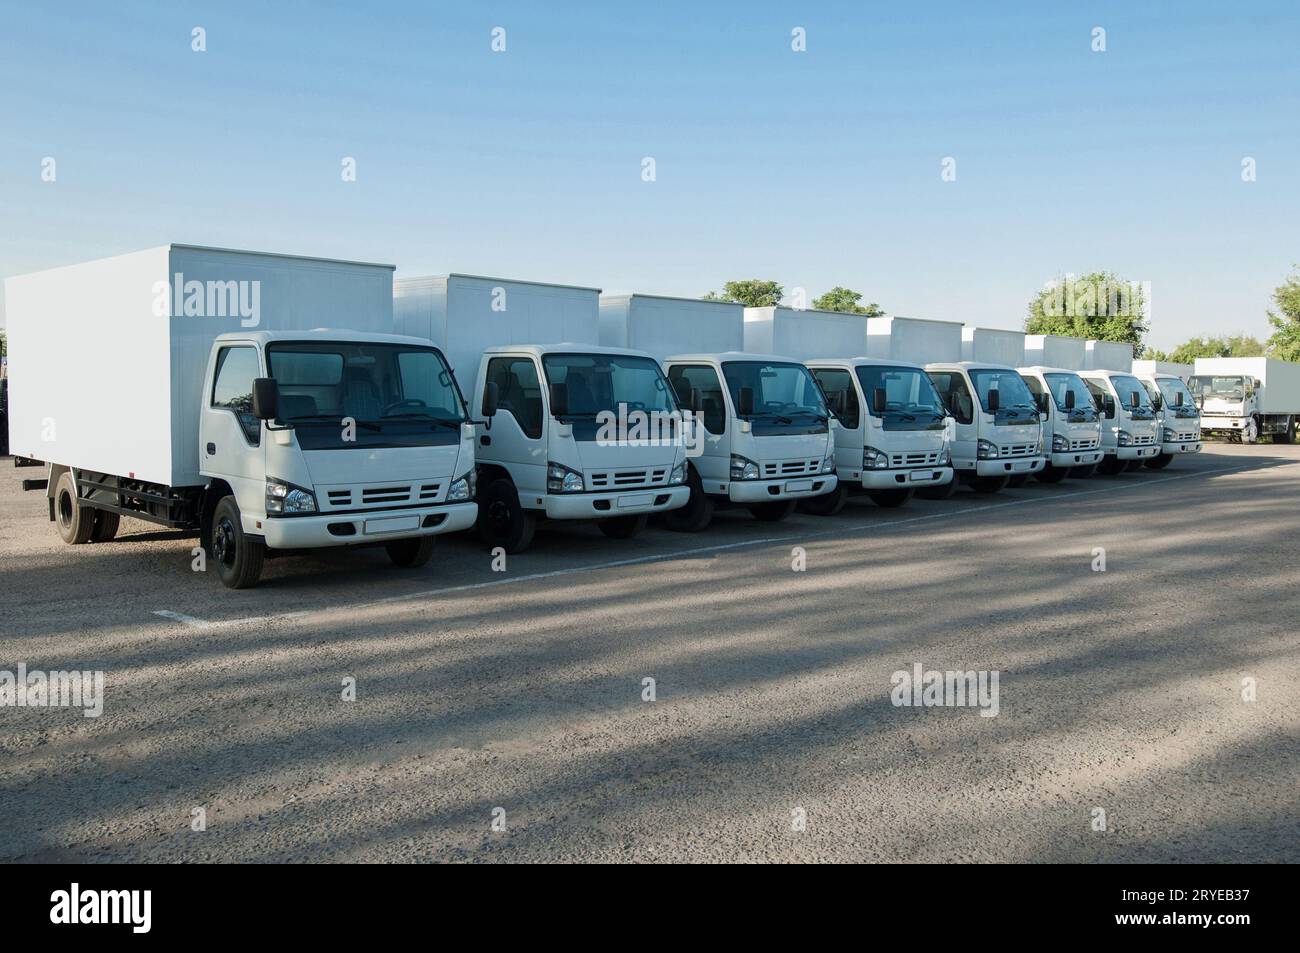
(1219, 388)
(606, 382)
(911, 402)
(346, 395)
(1170, 388)
(1015, 404)
(786, 397)
(1125, 387)
(1061, 384)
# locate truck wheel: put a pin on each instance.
(773, 512)
(1110, 466)
(989, 484)
(502, 521)
(1083, 472)
(1051, 474)
(942, 492)
(1161, 461)
(1017, 481)
(828, 504)
(697, 514)
(1287, 433)
(76, 523)
(104, 527)
(410, 553)
(238, 557)
(623, 527)
(889, 498)
(1132, 466)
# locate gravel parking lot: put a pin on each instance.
(772, 735)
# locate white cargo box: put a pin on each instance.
(993, 346)
(1279, 380)
(1151, 368)
(1108, 356)
(107, 358)
(1054, 350)
(805, 334)
(662, 326)
(917, 340)
(467, 314)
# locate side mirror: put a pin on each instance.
(841, 403)
(491, 399)
(1108, 406)
(1157, 401)
(995, 401)
(1069, 400)
(745, 402)
(1178, 399)
(266, 398)
(1258, 384)
(1133, 399)
(1041, 400)
(879, 401)
(682, 391)
(559, 400)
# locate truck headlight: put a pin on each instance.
(945, 456)
(1123, 438)
(678, 476)
(873, 459)
(1059, 443)
(463, 488)
(828, 465)
(985, 450)
(286, 498)
(742, 468)
(561, 479)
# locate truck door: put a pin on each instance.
(714, 463)
(952, 387)
(517, 438)
(849, 439)
(230, 437)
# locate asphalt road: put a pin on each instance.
(772, 735)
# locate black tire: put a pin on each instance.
(773, 512)
(1161, 461)
(410, 553)
(623, 527)
(1132, 466)
(989, 484)
(1051, 474)
(1287, 434)
(76, 523)
(828, 504)
(943, 492)
(104, 527)
(502, 521)
(1017, 481)
(1083, 472)
(1110, 466)
(237, 556)
(889, 498)
(697, 514)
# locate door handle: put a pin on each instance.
(485, 441)
(211, 448)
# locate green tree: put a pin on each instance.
(845, 299)
(1284, 344)
(752, 293)
(1097, 306)
(1237, 345)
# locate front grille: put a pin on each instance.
(623, 479)
(1143, 441)
(1085, 444)
(1185, 437)
(1019, 450)
(340, 498)
(784, 468)
(386, 494)
(914, 459)
(429, 491)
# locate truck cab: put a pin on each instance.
(765, 439)
(1177, 414)
(998, 427)
(1228, 404)
(1073, 426)
(1130, 432)
(892, 433)
(582, 433)
(330, 438)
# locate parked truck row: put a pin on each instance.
(272, 404)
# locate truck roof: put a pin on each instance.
(1042, 369)
(226, 251)
(862, 361)
(512, 281)
(562, 347)
(628, 295)
(733, 356)
(968, 366)
(322, 334)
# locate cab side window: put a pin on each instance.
(836, 381)
(956, 395)
(1099, 396)
(519, 391)
(232, 388)
(703, 378)
(1036, 389)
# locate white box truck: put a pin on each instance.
(998, 432)
(584, 432)
(993, 346)
(1054, 350)
(914, 340)
(1130, 431)
(1072, 435)
(1146, 368)
(1244, 398)
(1176, 413)
(891, 433)
(191, 387)
(1108, 356)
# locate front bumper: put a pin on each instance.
(765, 491)
(1138, 453)
(1174, 447)
(597, 506)
(1077, 458)
(1220, 424)
(378, 526)
(1012, 466)
(902, 479)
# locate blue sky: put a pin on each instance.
(815, 168)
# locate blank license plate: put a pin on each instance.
(635, 502)
(798, 486)
(393, 524)
(922, 475)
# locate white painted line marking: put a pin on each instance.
(189, 620)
